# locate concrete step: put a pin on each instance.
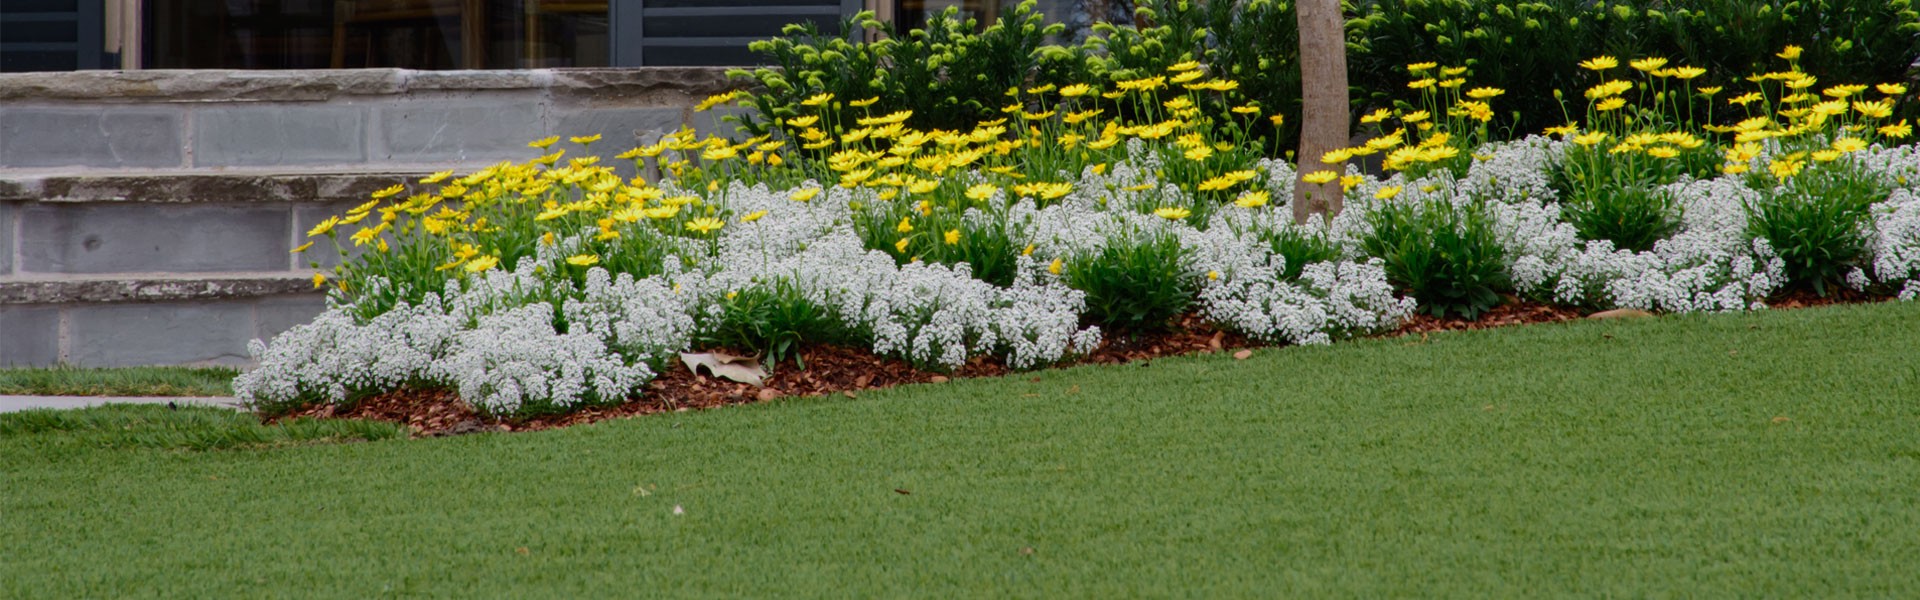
(112, 320)
(248, 185)
(152, 287)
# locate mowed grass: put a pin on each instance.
(1772, 454)
(128, 426)
(120, 381)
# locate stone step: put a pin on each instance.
(173, 186)
(152, 287)
(120, 319)
(92, 223)
(213, 119)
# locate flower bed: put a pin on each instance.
(1090, 212)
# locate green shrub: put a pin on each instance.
(1443, 255)
(1135, 283)
(1633, 217)
(1255, 43)
(1301, 246)
(1617, 196)
(1818, 220)
(774, 319)
(1532, 48)
(951, 74)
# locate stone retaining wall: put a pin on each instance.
(146, 216)
(374, 117)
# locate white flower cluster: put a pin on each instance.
(1896, 220)
(495, 341)
(335, 359)
(1710, 264)
(1329, 300)
(1238, 274)
(929, 314)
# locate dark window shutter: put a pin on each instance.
(50, 35)
(716, 32)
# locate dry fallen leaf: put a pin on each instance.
(744, 369)
(1242, 355)
(767, 394)
(938, 379)
(1621, 313)
(1781, 419)
(523, 550)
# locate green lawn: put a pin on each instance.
(122, 381)
(1773, 454)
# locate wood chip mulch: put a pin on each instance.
(1838, 295)
(835, 370)
(1513, 311)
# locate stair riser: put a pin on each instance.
(186, 332)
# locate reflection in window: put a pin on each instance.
(416, 34)
(1078, 15)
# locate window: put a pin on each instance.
(1077, 15)
(415, 34)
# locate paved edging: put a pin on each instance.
(20, 403)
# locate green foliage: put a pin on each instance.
(1135, 283)
(409, 272)
(1818, 222)
(1301, 246)
(1255, 43)
(1633, 217)
(1445, 256)
(951, 74)
(1617, 196)
(196, 428)
(121, 381)
(774, 320)
(985, 243)
(1531, 48)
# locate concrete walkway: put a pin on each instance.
(20, 403)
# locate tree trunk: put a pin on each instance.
(1324, 119)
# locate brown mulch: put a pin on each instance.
(1803, 298)
(845, 371)
(1513, 311)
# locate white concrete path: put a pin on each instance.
(20, 403)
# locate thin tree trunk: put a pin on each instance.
(1323, 124)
